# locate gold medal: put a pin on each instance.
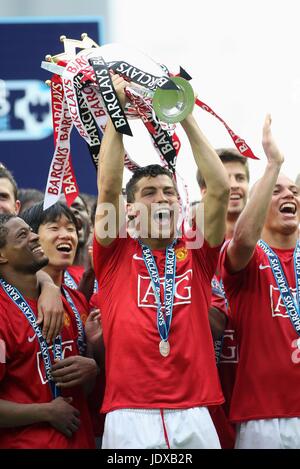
(164, 348)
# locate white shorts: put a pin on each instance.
(155, 429)
(283, 433)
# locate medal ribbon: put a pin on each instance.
(292, 306)
(96, 286)
(69, 281)
(81, 342)
(164, 319)
(23, 306)
(218, 346)
(218, 290)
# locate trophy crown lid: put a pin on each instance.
(70, 46)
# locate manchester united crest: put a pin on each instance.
(181, 254)
(67, 320)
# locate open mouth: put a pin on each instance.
(288, 208)
(64, 247)
(162, 216)
(37, 250)
(235, 197)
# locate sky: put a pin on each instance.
(244, 60)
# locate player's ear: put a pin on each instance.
(130, 211)
(17, 207)
(3, 258)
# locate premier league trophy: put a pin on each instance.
(83, 96)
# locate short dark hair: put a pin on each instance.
(227, 155)
(89, 200)
(6, 174)
(93, 212)
(29, 197)
(36, 216)
(4, 217)
(152, 170)
(81, 197)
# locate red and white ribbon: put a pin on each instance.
(69, 185)
(240, 144)
(60, 158)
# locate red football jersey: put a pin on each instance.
(94, 301)
(227, 363)
(137, 376)
(268, 371)
(23, 378)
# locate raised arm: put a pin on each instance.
(110, 176)
(50, 307)
(216, 180)
(251, 221)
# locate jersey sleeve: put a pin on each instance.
(6, 337)
(2, 356)
(94, 301)
(206, 256)
(107, 259)
(233, 282)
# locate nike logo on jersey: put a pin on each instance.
(263, 267)
(2, 351)
(137, 258)
(31, 339)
